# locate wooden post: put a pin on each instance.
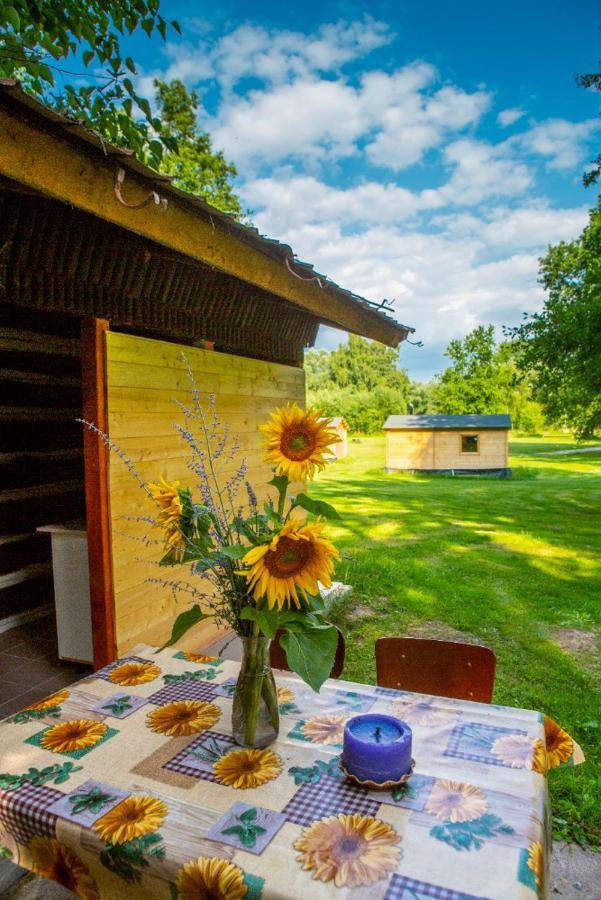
(93, 357)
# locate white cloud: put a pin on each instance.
(529, 227)
(509, 116)
(399, 115)
(479, 171)
(276, 56)
(474, 268)
(563, 143)
(272, 56)
(414, 123)
(482, 170)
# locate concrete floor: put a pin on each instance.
(29, 665)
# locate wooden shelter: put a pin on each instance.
(340, 426)
(108, 272)
(465, 444)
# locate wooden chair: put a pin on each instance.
(444, 668)
(278, 655)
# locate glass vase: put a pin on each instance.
(255, 714)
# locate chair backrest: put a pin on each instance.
(278, 659)
(444, 668)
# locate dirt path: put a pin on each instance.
(596, 449)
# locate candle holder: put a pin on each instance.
(377, 785)
(377, 751)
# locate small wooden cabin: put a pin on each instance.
(107, 273)
(465, 444)
(340, 426)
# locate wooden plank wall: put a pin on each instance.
(442, 450)
(144, 378)
(41, 467)
(492, 453)
(409, 450)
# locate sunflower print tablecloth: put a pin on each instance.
(129, 784)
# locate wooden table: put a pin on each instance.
(128, 784)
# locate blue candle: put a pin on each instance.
(377, 748)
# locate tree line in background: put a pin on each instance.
(362, 382)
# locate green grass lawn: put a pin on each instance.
(514, 563)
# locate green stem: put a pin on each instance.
(271, 699)
(253, 687)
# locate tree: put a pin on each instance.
(197, 168)
(562, 343)
(420, 400)
(36, 38)
(477, 380)
(591, 80)
(488, 378)
(360, 381)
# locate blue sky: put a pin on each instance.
(422, 152)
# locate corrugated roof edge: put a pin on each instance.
(433, 422)
(269, 246)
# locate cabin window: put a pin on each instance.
(470, 443)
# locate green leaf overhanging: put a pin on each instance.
(184, 622)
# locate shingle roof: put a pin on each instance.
(440, 422)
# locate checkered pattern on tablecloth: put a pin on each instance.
(390, 692)
(104, 673)
(184, 690)
(178, 765)
(465, 737)
(24, 812)
(402, 888)
(329, 797)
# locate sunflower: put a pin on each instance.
(350, 850)
(49, 702)
(247, 768)
(515, 750)
(296, 441)
(539, 760)
(454, 801)
(212, 878)
(183, 717)
(168, 498)
(294, 561)
(77, 734)
(54, 860)
(133, 673)
(132, 818)
(422, 712)
(285, 695)
(199, 657)
(559, 744)
(536, 862)
(325, 729)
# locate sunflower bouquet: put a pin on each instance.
(266, 563)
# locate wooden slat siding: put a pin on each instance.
(491, 455)
(93, 358)
(18, 551)
(41, 474)
(17, 340)
(143, 378)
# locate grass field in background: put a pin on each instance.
(514, 563)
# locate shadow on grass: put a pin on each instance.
(503, 561)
